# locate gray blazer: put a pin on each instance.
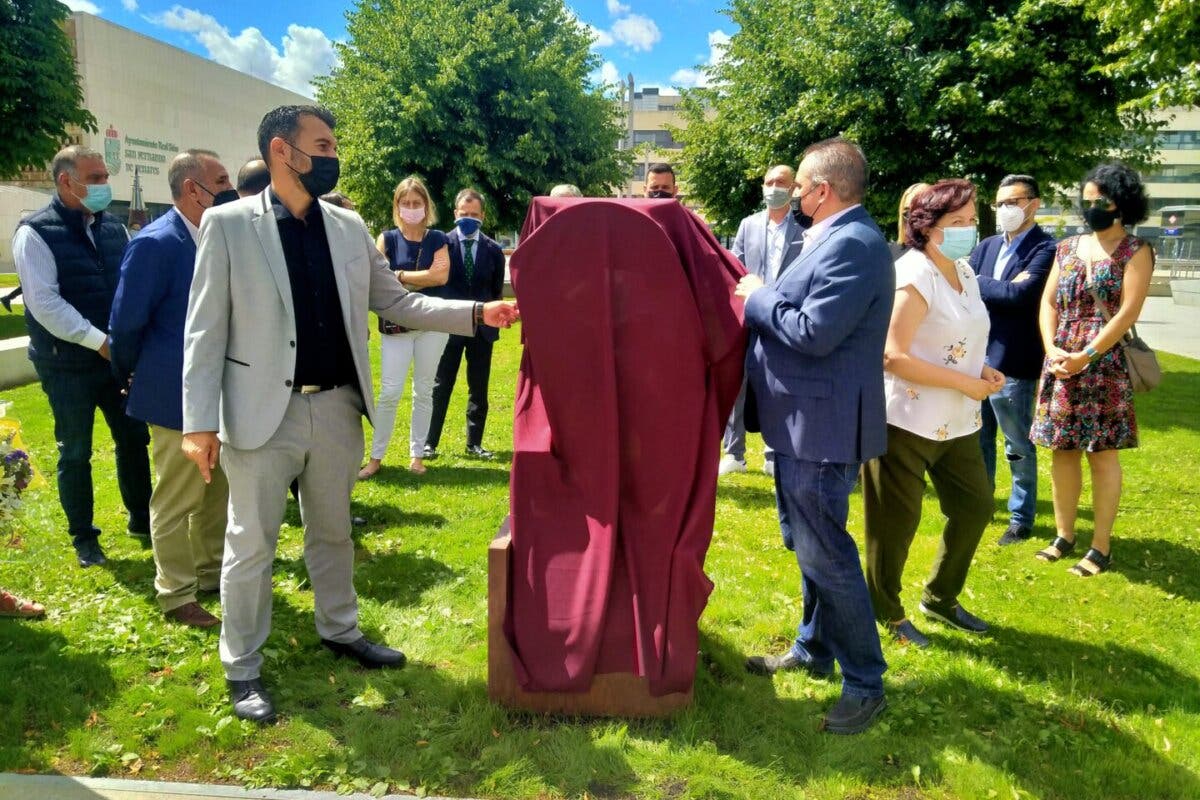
(750, 244)
(240, 336)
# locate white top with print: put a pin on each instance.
(953, 334)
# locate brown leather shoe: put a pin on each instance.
(193, 615)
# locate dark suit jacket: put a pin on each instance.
(487, 281)
(1014, 344)
(146, 324)
(816, 357)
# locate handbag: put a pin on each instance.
(391, 328)
(1140, 361)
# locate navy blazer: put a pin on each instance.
(487, 280)
(816, 356)
(1014, 343)
(146, 324)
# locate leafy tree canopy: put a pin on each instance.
(971, 88)
(492, 94)
(40, 94)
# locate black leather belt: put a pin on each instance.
(310, 388)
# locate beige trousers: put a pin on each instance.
(187, 523)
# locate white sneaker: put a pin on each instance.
(769, 467)
(729, 464)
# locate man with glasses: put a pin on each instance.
(1012, 267)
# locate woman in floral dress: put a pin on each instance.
(1085, 399)
(935, 380)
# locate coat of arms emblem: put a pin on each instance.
(112, 150)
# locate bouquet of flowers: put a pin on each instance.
(16, 475)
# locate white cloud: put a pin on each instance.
(600, 37)
(718, 41)
(86, 6)
(130, 5)
(609, 73)
(636, 31)
(617, 8)
(307, 52)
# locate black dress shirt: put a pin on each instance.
(323, 356)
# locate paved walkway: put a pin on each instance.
(61, 787)
(1170, 327)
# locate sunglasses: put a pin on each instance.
(1012, 202)
(1099, 202)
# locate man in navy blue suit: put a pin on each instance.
(476, 273)
(1012, 269)
(816, 367)
(187, 516)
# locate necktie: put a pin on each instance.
(469, 258)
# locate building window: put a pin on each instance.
(1179, 140)
(1174, 173)
(659, 138)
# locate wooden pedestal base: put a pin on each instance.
(619, 694)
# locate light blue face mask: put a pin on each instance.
(958, 242)
(98, 197)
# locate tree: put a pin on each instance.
(486, 93)
(969, 88)
(40, 94)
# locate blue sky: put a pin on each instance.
(660, 41)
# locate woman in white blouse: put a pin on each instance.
(934, 382)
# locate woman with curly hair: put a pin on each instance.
(935, 378)
(1093, 295)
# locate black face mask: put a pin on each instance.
(1100, 219)
(805, 221)
(322, 177)
(220, 198)
(660, 195)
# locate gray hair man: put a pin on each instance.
(68, 256)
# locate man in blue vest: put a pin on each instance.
(68, 256)
(187, 515)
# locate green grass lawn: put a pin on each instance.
(12, 324)
(1083, 688)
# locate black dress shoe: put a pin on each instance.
(769, 665)
(367, 653)
(429, 453)
(478, 451)
(251, 701)
(955, 617)
(853, 714)
(90, 555)
(1015, 533)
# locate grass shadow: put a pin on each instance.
(1172, 568)
(1174, 405)
(49, 690)
(493, 474)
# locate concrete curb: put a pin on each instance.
(15, 367)
(65, 787)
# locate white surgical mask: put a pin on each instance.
(1010, 218)
(776, 196)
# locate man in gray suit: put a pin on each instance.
(765, 242)
(276, 379)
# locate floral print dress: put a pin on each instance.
(1093, 410)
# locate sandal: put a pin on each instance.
(369, 470)
(13, 606)
(1096, 559)
(1055, 550)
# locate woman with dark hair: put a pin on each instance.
(1093, 295)
(935, 380)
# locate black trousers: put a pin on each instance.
(75, 394)
(479, 371)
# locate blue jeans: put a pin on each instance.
(838, 622)
(75, 394)
(1011, 409)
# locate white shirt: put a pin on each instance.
(819, 228)
(39, 283)
(775, 245)
(953, 334)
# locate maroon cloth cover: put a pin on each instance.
(634, 349)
